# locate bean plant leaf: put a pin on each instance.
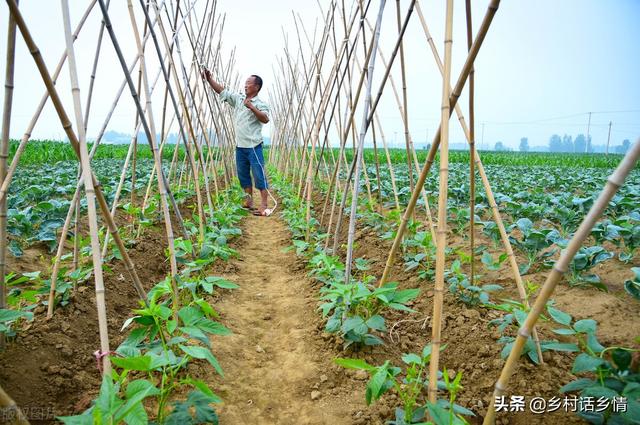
(586, 363)
(559, 316)
(354, 364)
(622, 359)
(375, 385)
(141, 363)
(577, 385)
(562, 346)
(585, 326)
(202, 353)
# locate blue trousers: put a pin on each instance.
(250, 161)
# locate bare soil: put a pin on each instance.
(472, 345)
(278, 363)
(51, 365)
(277, 369)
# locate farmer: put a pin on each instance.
(249, 114)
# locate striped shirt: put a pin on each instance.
(248, 127)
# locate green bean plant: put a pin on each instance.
(612, 374)
(410, 386)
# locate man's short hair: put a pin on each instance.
(258, 81)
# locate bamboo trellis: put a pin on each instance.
(313, 93)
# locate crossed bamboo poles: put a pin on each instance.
(290, 126)
(307, 120)
(198, 131)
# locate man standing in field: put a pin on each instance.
(249, 114)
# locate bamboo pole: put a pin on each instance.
(489, 193)
(13, 412)
(76, 240)
(358, 154)
(472, 151)
(389, 164)
(491, 11)
(4, 155)
(405, 117)
(441, 234)
(166, 73)
(94, 69)
(161, 175)
(27, 135)
(614, 182)
(116, 196)
(90, 195)
(342, 141)
(69, 132)
(411, 151)
(111, 230)
(134, 141)
(150, 132)
(381, 88)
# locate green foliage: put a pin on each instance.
(195, 410)
(355, 309)
(516, 314)
(533, 242)
(585, 259)
(162, 342)
(461, 287)
(9, 320)
(114, 406)
(610, 370)
(410, 389)
(632, 286)
(420, 254)
(493, 264)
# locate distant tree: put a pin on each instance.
(567, 143)
(499, 147)
(524, 144)
(626, 144)
(580, 143)
(555, 143)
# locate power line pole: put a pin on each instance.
(608, 138)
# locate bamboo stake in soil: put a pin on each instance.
(192, 163)
(441, 234)
(4, 154)
(405, 118)
(11, 409)
(36, 115)
(491, 11)
(151, 137)
(472, 151)
(66, 125)
(485, 181)
(375, 103)
(358, 154)
(90, 195)
(614, 182)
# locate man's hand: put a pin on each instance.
(206, 74)
(262, 117)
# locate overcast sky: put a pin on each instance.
(544, 65)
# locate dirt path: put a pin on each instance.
(276, 370)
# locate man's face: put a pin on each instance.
(250, 87)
